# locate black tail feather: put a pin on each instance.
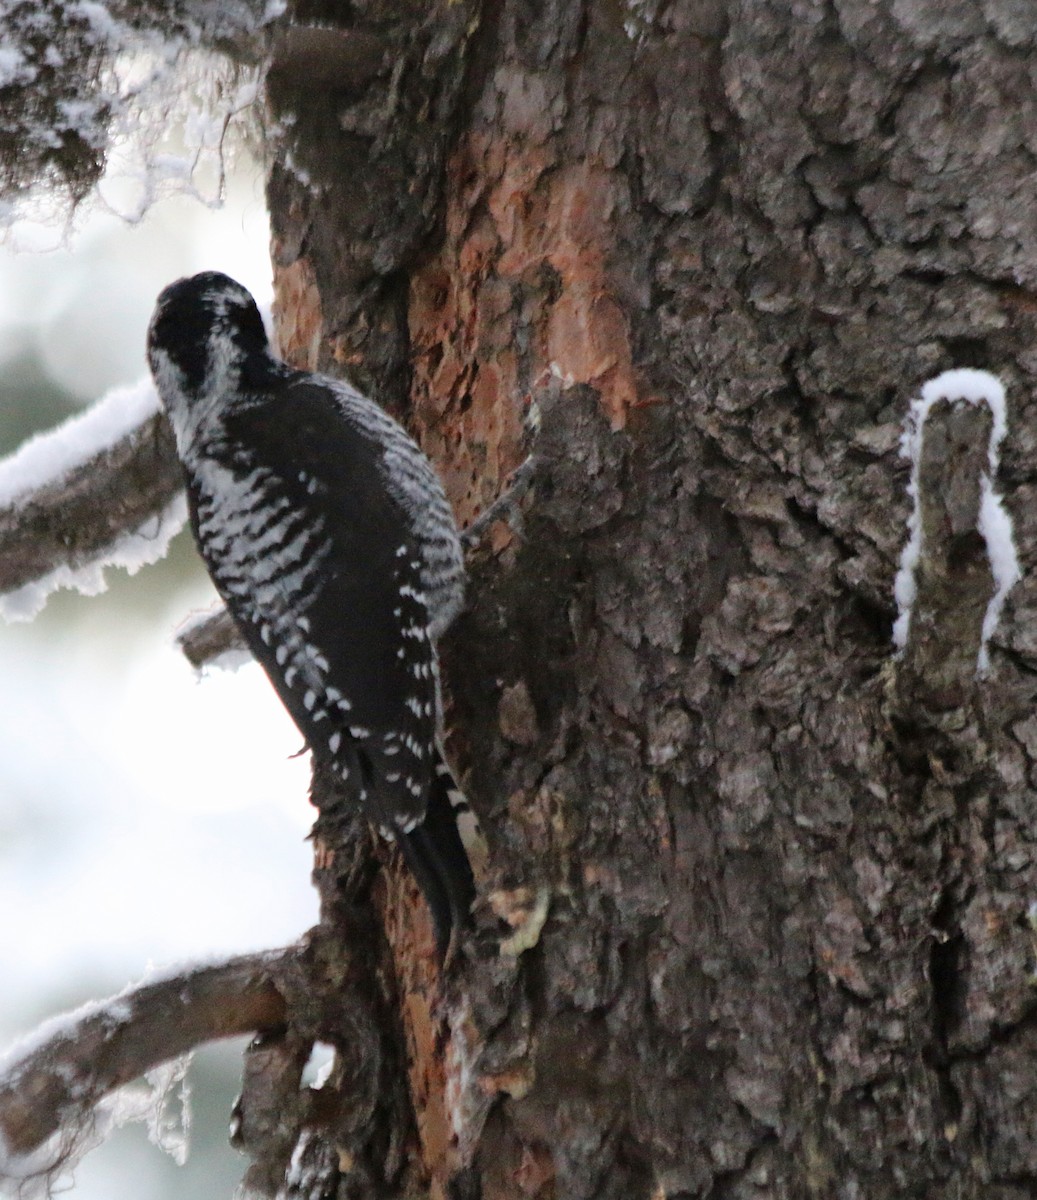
(437, 858)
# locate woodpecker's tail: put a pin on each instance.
(435, 852)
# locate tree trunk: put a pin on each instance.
(754, 921)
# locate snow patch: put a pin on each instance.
(996, 527)
(300, 1177)
(229, 660)
(101, 22)
(29, 1172)
(49, 457)
(13, 67)
(161, 1102)
(14, 1058)
(995, 524)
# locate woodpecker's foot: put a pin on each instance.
(504, 508)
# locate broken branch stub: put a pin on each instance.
(953, 578)
(960, 560)
(205, 640)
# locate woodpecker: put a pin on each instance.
(329, 537)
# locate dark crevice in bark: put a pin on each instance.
(946, 987)
(729, 1185)
(972, 352)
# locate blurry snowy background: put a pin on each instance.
(146, 817)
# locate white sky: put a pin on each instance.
(146, 817)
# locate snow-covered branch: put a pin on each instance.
(960, 561)
(51, 1082)
(103, 489)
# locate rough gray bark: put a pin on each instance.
(786, 950)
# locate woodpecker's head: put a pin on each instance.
(202, 327)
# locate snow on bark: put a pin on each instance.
(994, 523)
(51, 456)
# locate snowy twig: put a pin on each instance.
(52, 1082)
(960, 561)
(103, 489)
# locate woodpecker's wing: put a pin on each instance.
(326, 585)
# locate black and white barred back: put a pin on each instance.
(333, 546)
